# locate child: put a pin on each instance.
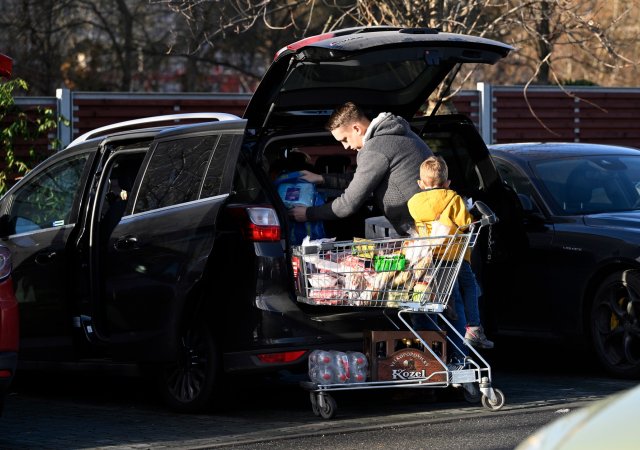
(437, 202)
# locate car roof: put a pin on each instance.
(380, 69)
(164, 126)
(536, 151)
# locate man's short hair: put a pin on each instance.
(434, 171)
(345, 115)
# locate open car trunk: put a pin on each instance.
(379, 69)
(453, 137)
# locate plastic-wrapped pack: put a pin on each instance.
(335, 367)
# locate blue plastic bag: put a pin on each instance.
(295, 191)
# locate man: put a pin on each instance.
(388, 165)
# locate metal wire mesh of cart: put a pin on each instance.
(416, 273)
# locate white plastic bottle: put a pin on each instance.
(321, 367)
(358, 365)
(341, 367)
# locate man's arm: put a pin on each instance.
(372, 167)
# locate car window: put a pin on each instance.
(175, 172)
(519, 182)
(387, 70)
(213, 181)
(592, 185)
(46, 200)
(246, 186)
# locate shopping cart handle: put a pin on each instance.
(488, 216)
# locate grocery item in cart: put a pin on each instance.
(385, 263)
(367, 272)
(359, 366)
(399, 355)
(335, 367)
(322, 280)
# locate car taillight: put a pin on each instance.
(282, 357)
(5, 262)
(258, 223)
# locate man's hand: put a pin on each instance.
(299, 213)
(311, 177)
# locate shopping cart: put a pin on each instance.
(414, 277)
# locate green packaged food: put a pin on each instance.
(387, 263)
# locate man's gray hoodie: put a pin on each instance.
(388, 166)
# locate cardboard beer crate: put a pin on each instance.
(391, 359)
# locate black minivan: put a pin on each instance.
(163, 242)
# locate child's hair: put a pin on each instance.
(434, 171)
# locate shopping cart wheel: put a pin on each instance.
(497, 403)
(314, 403)
(328, 409)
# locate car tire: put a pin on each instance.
(188, 385)
(615, 324)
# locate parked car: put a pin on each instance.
(6, 65)
(574, 264)
(8, 304)
(8, 325)
(606, 423)
(163, 242)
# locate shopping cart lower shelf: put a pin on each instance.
(413, 277)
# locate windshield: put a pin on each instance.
(591, 185)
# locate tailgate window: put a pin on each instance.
(379, 76)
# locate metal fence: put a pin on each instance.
(501, 113)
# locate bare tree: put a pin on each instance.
(240, 36)
(113, 38)
(35, 34)
(141, 44)
(546, 33)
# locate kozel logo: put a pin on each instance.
(401, 374)
(408, 365)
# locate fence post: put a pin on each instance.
(64, 103)
(486, 111)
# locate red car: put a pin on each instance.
(8, 303)
(8, 325)
(5, 66)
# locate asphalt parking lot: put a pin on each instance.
(57, 411)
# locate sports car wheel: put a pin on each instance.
(187, 385)
(615, 325)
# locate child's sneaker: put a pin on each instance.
(475, 336)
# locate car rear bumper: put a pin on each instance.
(266, 359)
